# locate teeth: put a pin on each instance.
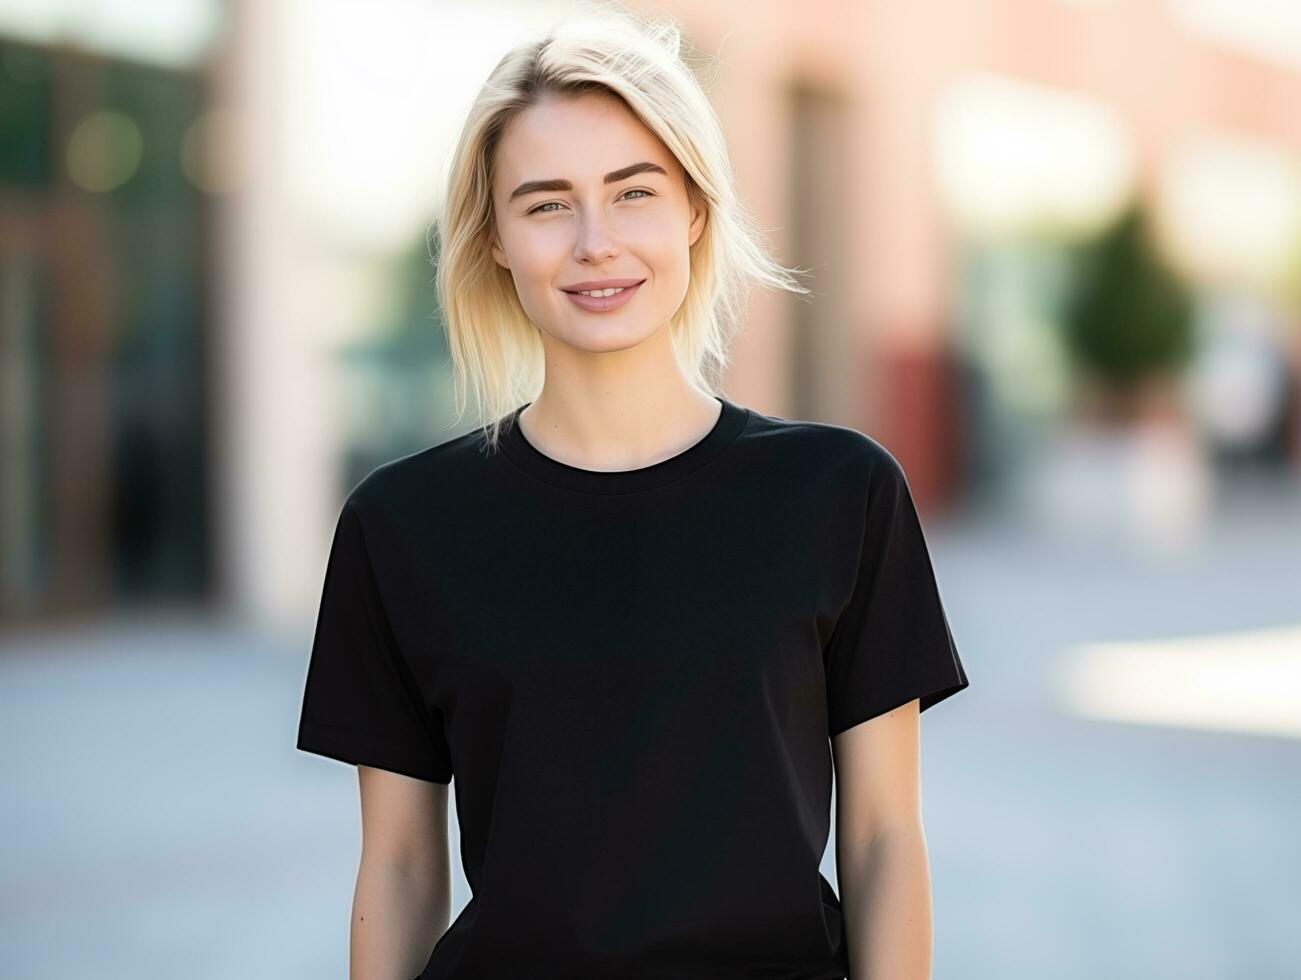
(601, 292)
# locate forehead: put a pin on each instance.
(578, 139)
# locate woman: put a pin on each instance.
(638, 622)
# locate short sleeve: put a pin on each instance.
(361, 703)
(891, 642)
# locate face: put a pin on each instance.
(569, 211)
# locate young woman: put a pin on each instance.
(639, 623)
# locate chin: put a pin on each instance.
(598, 341)
(600, 334)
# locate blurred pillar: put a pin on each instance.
(79, 426)
(276, 496)
(910, 382)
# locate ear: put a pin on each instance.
(499, 256)
(494, 242)
(699, 217)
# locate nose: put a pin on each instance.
(596, 243)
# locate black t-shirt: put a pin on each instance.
(634, 676)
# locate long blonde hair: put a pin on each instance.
(496, 349)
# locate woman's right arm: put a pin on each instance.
(403, 899)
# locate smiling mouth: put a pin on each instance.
(603, 300)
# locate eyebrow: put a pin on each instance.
(613, 177)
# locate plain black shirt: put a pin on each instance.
(633, 676)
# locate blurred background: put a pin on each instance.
(1057, 267)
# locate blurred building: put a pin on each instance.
(106, 319)
(216, 308)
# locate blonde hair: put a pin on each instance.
(496, 349)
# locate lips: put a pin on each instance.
(602, 304)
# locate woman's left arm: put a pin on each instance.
(881, 859)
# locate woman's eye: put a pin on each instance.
(635, 190)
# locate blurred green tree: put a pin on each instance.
(1128, 317)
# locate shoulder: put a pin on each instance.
(824, 447)
(428, 479)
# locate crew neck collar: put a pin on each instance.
(731, 420)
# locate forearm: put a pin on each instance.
(399, 911)
(886, 896)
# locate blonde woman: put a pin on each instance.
(640, 624)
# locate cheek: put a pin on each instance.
(660, 239)
(535, 253)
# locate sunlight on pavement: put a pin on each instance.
(1246, 682)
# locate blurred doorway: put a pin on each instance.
(823, 342)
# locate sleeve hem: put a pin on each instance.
(332, 744)
(927, 697)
